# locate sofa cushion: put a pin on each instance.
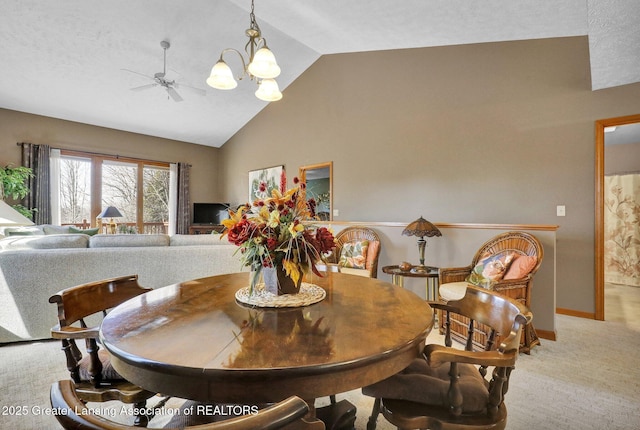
(22, 231)
(490, 269)
(453, 290)
(197, 239)
(521, 266)
(128, 240)
(55, 229)
(108, 372)
(87, 231)
(354, 254)
(429, 385)
(52, 241)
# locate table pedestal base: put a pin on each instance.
(337, 416)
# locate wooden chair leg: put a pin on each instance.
(530, 339)
(373, 419)
(142, 419)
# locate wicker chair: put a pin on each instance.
(453, 286)
(352, 235)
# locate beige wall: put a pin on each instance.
(622, 158)
(486, 133)
(21, 127)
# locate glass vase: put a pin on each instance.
(277, 282)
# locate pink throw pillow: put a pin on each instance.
(520, 267)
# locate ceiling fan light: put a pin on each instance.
(268, 91)
(264, 64)
(221, 77)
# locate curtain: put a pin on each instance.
(183, 212)
(54, 183)
(622, 229)
(36, 157)
(173, 198)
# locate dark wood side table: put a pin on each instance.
(398, 275)
(205, 229)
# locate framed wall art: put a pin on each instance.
(271, 177)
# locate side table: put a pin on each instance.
(398, 275)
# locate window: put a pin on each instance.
(138, 188)
(75, 190)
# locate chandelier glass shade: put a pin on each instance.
(221, 77)
(268, 91)
(261, 66)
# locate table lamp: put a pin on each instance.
(10, 216)
(421, 228)
(111, 212)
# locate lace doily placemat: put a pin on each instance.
(308, 295)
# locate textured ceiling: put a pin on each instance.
(64, 58)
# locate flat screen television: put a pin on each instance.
(210, 213)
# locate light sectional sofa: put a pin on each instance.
(32, 268)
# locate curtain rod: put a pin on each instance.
(106, 155)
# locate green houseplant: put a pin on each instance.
(13, 185)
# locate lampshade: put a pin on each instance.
(10, 216)
(221, 77)
(110, 212)
(421, 227)
(264, 64)
(268, 91)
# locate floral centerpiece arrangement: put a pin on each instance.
(275, 234)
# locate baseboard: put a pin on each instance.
(574, 313)
(546, 334)
(552, 335)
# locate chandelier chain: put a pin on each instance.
(254, 22)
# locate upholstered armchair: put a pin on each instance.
(511, 260)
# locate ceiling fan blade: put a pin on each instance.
(174, 94)
(195, 90)
(143, 87)
(137, 73)
(198, 91)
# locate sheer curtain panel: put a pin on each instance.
(622, 229)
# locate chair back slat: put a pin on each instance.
(493, 310)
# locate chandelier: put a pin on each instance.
(261, 65)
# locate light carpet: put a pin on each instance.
(588, 379)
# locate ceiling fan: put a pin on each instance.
(160, 79)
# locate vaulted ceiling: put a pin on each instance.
(65, 58)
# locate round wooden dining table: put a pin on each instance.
(196, 341)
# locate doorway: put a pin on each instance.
(600, 126)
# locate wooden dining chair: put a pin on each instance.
(450, 388)
(80, 310)
(356, 252)
(288, 413)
